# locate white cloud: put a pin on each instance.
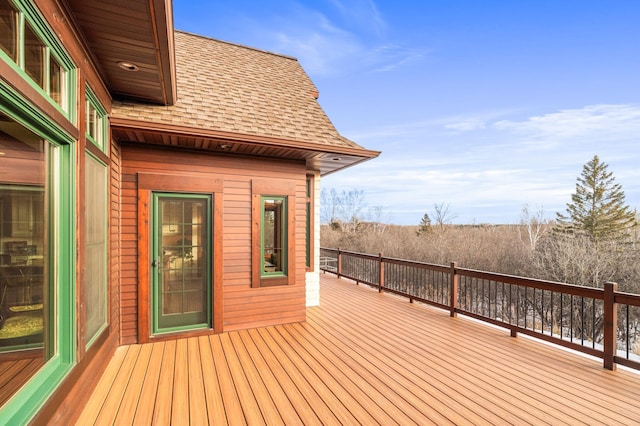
(363, 12)
(590, 121)
(328, 45)
(487, 167)
(467, 126)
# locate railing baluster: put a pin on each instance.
(628, 332)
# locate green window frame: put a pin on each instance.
(30, 46)
(60, 264)
(263, 192)
(96, 121)
(273, 236)
(309, 223)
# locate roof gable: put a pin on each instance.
(226, 88)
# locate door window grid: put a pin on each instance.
(182, 265)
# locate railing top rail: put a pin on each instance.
(418, 264)
(571, 289)
(627, 298)
(576, 290)
(355, 254)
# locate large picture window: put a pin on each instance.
(24, 283)
(36, 265)
(37, 216)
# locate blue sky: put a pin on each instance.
(481, 105)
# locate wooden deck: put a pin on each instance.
(361, 358)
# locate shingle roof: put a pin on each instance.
(232, 88)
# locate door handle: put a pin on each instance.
(154, 263)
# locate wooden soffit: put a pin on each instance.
(323, 158)
(132, 44)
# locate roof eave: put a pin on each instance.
(325, 159)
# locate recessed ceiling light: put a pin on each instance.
(128, 66)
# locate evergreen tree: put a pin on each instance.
(597, 208)
(425, 225)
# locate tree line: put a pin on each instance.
(593, 241)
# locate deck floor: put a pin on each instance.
(361, 358)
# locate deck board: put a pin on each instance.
(165, 393)
(362, 357)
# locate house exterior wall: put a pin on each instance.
(242, 306)
(86, 360)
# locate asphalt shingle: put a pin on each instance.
(232, 88)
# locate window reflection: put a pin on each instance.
(56, 75)
(8, 30)
(273, 235)
(34, 58)
(23, 283)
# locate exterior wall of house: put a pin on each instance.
(242, 305)
(83, 359)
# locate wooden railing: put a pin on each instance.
(601, 322)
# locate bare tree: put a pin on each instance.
(442, 215)
(535, 225)
(378, 218)
(342, 210)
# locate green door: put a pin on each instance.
(181, 263)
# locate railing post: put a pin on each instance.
(610, 325)
(381, 273)
(339, 265)
(453, 301)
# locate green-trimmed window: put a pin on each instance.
(273, 236)
(27, 42)
(309, 223)
(95, 247)
(273, 242)
(96, 128)
(37, 262)
(37, 215)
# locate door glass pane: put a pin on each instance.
(34, 51)
(23, 255)
(182, 291)
(8, 30)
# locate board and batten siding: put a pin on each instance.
(243, 306)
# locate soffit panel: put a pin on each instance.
(322, 161)
(138, 32)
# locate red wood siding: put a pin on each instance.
(243, 306)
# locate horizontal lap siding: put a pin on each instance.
(244, 306)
